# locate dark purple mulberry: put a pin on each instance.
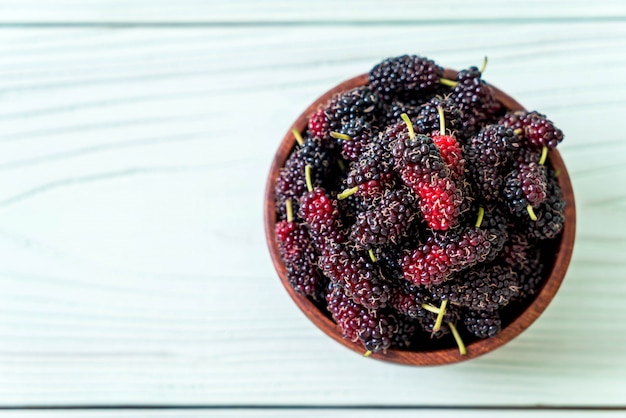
(360, 102)
(374, 329)
(524, 186)
(358, 275)
(386, 221)
(550, 214)
(475, 99)
(488, 157)
(407, 299)
(392, 111)
(373, 172)
(297, 251)
(483, 324)
(427, 119)
(361, 133)
(428, 321)
(291, 182)
(443, 254)
(536, 128)
(406, 76)
(484, 289)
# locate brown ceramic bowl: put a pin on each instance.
(559, 253)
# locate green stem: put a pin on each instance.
(481, 215)
(531, 212)
(347, 193)
(289, 210)
(430, 308)
(409, 125)
(484, 66)
(338, 135)
(449, 83)
(372, 256)
(518, 131)
(544, 155)
(307, 177)
(442, 312)
(458, 339)
(367, 353)
(442, 121)
(298, 137)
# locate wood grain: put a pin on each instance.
(288, 12)
(296, 413)
(134, 268)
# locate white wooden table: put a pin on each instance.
(135, 137)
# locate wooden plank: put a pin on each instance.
(197, 11)
(314, 413)
(134, 268)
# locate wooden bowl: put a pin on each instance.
(562, 248)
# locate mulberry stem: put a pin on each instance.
(409, 125)
(338, 135)
(430, 308)
(442, 312)
(449, 83)
(531, 213)
(307, 176)
(367, 353)
(298, 137)
(442, 121)
(544, 155)
(289, 210)
(484, 66)
(458, 339)
(372, 256)
(518, 131)
(347, 193)
(481, 214)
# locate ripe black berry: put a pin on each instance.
(296, 249)
(549, 215)
(291, 183)
(475, 99)
(428, 321)
(535, 127)
(374, 329)
(443, 254)
(360, 102)
(484, 289)
(386, 221)
(525, 185)
(483, 324)
(358, 276)
(427, 119)
(361, 133)
(392, 111)
(489, 155)
(406, 76)
(407, 299)
(373, 172)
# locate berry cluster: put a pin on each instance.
(415, 208)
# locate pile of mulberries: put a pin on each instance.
(416, 211)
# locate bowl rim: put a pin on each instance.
(435, 357)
